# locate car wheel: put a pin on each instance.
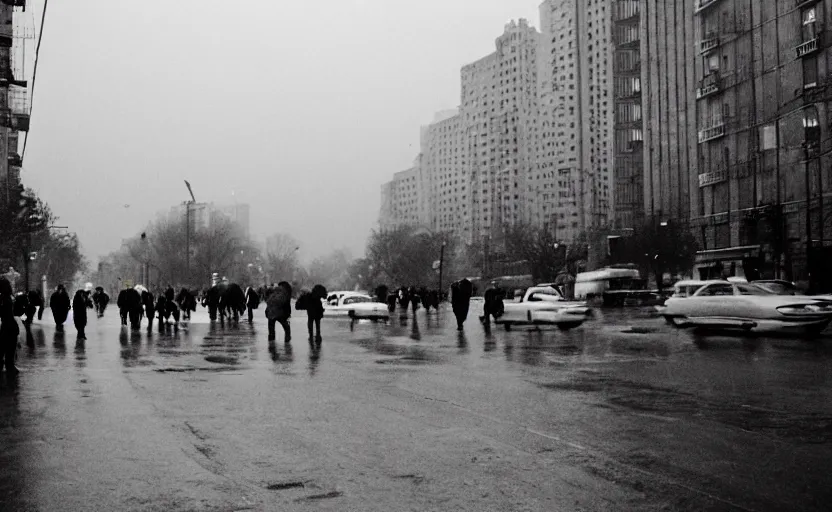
(507, 326)
(669, 320)
(351, 314)
(567, 326)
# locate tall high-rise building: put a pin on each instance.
(444, 168)
(499, 113)
(628, 157)
(405, 199)
(577, 43)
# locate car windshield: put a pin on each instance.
(357, 300)
(777, 288)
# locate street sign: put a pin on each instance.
(437, 264)
(128, 283)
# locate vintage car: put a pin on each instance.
(543, 305)
(682, 289)
(357, 306)
(747, 307)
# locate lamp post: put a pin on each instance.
(441, 264)
(188, 231)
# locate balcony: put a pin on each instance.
(709, 85)
(715, 131)
(807, 48)
(16, 115)
(15, 160)
(701, 5)
(708, 44)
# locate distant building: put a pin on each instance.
(201, 215)
(240, 213)
(404, 199)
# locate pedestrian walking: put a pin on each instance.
(9, 330)
(100, 299)
(130, 306)
(252, 303)
(493, 305)
(461, 300)
(279, 310)
(415, 299)
(186, 302)
(79, 313)
(60, 304)
(315, 312)
(149, 308)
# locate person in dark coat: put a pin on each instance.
(252, 303)
(381, 293)
(100, 299)
(9, 330)
(79, 313)
(315, 312)
(461, 300)
(149, 308)
(34, 305)
(279, 310)
(130, 305)
(171, 308)
(60, 304)
(493, 305)
(186, 302)
(233, 302)
(415, 299)
(211, 300)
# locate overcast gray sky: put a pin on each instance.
(301, 108)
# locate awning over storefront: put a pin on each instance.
(728, 254)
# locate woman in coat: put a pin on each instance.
(315, 311)
(79, 313)
(60, 304)
(9, 330)
(279, 310)
(461, 301)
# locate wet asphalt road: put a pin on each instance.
(624, 413)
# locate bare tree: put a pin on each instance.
(282, 256)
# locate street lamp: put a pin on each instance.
(441, 263)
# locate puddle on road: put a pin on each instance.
(643, 397)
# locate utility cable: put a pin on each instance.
(34, 75)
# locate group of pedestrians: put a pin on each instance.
(31, 303)
(279, 309)
(136, 303)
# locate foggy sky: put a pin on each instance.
(301, 108)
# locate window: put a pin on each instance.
(810, 71)
(716, 290)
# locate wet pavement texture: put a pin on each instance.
(623, 413)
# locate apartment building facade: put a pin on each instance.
(628, 143)
(576, 145)
(499, 113)
(14, 93)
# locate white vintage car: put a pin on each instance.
(747, 307)
(357, 306)
(543, 305)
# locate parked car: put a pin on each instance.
(543, 305)
(747, 307)
(357, 306)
